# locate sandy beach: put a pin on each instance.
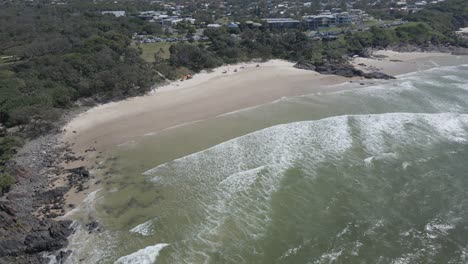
(225, 89)
(204, 96)
(209, 94)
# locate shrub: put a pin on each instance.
(6, 181)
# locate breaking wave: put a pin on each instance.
(229, 190)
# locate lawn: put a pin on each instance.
(331, 29)
(222, 20)
(149, 49)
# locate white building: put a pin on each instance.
(213, 26)
(115, 13)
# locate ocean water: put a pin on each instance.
(374, 174)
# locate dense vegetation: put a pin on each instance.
(445, 17)
(52, 56)
(434, 25)
(225, 47)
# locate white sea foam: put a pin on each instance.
(376, 130)
(329, 257)
(230, 179)
(241, 180)
(463, 86)
(89, 247)
(144, 229)
(87, 206)
(455, 78)
(405, 165)
(146, 255)
(291, 252)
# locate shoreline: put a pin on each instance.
(230, 88)
(112, 124)
(204, 96)
(199, 98)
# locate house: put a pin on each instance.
(329, 19)
(232, 25)
(319, 21)
(189, 20)
(421, 3)
(115, 13)
(171, 21)
(213, 26)
(282, 23)
(345, 18)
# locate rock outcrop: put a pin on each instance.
(342, 69)
(27, 227)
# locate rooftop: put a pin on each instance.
(281, 20)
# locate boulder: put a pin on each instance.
(377, 75)
(49, 236)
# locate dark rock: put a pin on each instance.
(53, 195)
(79, 171)
(4, 207)
(92, 226)
(348, 70)
(11, 248)
(62, 256)
(305, 66)
(377, 75)
(49, 236)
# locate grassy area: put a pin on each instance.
(149, 49)
(366, 24)
(222, 20)
(372, 23)
(331, 30)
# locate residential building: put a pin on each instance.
(232, 25)
(282, 23)
(213, 26)
(319, 21)
(115, 13)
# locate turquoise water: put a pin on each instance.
(370, 175)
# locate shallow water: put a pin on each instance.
(368, 175)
